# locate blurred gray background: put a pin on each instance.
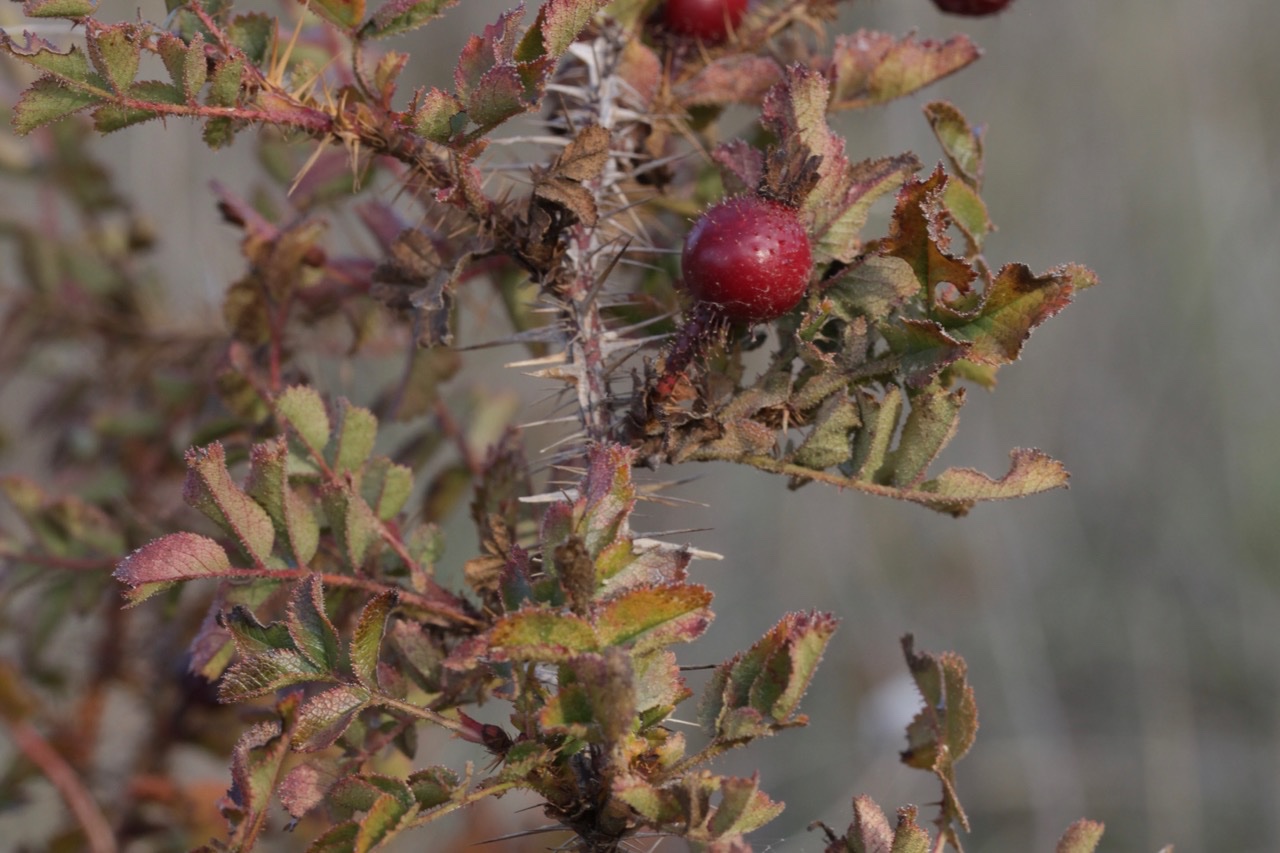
(1122, 636)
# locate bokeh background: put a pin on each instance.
(1122, 636)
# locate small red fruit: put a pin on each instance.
(749, 257)
(973, 8)
(709, 20)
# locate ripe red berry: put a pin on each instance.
(709, 20)
(749, 257)
(973, 8)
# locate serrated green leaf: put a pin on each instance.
(654, 616)
(432, 786)
(1081, 837)
(72, 9)
(497, 96)
(401, 16)
(173, 52)
(788, 670)
(873, 288)
(302, 410)
(968, 212)
(879, 422)
(1013, 306)
(359, 793)
(46, 101)
(828, 443)
(309, 626)
(116, 53)
(293, 517)
(760, 689)
(257, 760)
(536, 634)
(342, 13)
(385, 486)
(224, 85)
(195, 69)
(743, 808)
(209, 488)
(908, 836)
(366, 642)
(929, 426)
(921, 349)
(596, 702)
(252, 637)
(169, 560)
(869, 832)
(254, 33)
(1030, 472)
(871, 68)
(560, 22)
(959, 141)
(71, 67)
(324, 717)
(658, 806)
(337, 839)
(112, 117)
(353, 523)
(918, 236)
(435, 119)
(218, 132)
(354, 436)
(266, 673)
(384, 820)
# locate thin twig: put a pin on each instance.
(98, 833)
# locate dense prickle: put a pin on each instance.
(749, 257)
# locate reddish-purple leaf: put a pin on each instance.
(169, 560)
(209, 488)
(919, 236)
(732, 79)
(304, 788)
(871, 68)
(324, 717)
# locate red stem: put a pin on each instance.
(93, 823)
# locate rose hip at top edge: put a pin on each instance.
(709, 20)
(973, 8)
(749, 257)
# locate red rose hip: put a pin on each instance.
(749, 258)
(972, 8)
(709, 20)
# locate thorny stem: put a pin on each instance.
(98, 833)
(599, 104)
